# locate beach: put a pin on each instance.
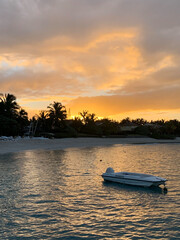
(23, 144)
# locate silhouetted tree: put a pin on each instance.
(84, 115)
(139, 121)
(9, 106)
(91, 118)
(44, 123)
(89, 123)
(77, 124)
(22, 119)
(108, 127)
(13, 119)
(125, 121)
(57, 114)
(88, 118)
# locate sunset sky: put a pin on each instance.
(115, 58)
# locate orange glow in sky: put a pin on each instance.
(113, 58)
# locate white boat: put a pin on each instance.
(130, 178)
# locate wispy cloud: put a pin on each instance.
(94, 53)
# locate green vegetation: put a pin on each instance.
(53, 123)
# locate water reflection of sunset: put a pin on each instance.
(61, 194)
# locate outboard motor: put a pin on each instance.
(110, 170)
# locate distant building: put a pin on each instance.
(128, 128)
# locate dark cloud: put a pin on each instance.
(24, 21)
(126, 48)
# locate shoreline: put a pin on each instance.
(26, 144)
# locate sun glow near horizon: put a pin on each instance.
(114, 61)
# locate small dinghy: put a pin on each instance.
(130, 178)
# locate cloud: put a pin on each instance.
(95, 52)
(117, 104)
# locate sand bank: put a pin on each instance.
(23, 144)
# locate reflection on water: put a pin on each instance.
(127, 188)
(61, 194)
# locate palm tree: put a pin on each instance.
(9, 106)
(22, 119)
(57, 113)
(42, 119)
(13, 118)
(42, 115)
(92, 117)
(23, 114)
(84, 115)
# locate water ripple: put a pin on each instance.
(61, 195)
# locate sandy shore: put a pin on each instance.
(24, 144)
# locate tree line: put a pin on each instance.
(53, 122)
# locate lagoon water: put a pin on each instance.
(61, 194)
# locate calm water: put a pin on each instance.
(61, 195)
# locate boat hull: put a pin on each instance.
(134, 182)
